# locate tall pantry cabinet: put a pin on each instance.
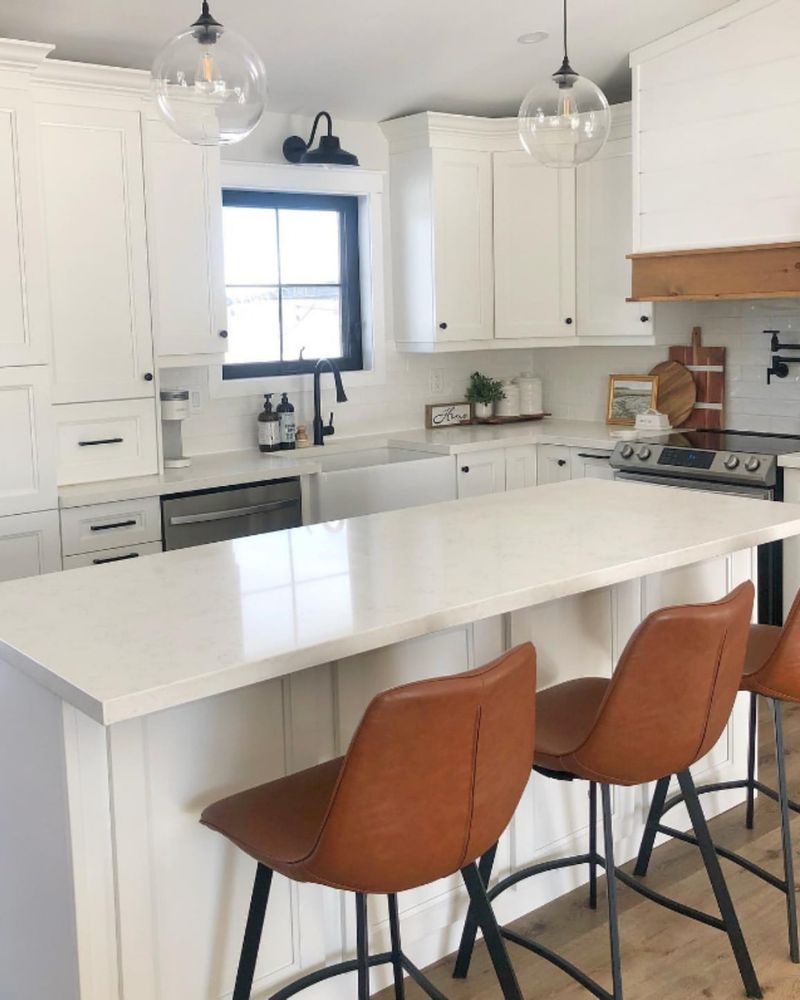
(29, 534)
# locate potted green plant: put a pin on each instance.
(483, 392)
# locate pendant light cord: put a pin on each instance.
(566, 56)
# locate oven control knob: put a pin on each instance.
(731, 463)
(753, 464)
(644, 453)
(626, 451)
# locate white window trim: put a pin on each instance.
(367, 186)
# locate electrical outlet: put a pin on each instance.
(436, 381)
(195, 401)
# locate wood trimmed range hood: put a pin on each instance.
(767, 271)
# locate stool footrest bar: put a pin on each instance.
(670, 904)
(351, 965)
(723, 852)
(421, 979)
(544, 866)
(589, 984)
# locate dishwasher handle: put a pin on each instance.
(225, 515)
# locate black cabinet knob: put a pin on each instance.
(568, 321)
(223, 334)
(465, 468)
(443, 326)
(562, 462)
(148, 376)
(644, 319)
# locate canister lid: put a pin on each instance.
(177, 395)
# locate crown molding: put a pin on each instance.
(22, 58)
(87, 76)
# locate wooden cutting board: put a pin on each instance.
(677, 392)
(707, 365)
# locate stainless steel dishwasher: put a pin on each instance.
(230, 512)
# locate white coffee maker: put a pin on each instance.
(174, 410)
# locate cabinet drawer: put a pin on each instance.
(109, 440)
(110, 557)
(110, 525)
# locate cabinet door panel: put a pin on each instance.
(96, 252)
(553, 464)
(534, 240)
(605, 228)
(520, 467)
(481, 473)
(23, 287)
(185, 241)
(29, 545)
(462, 208)
(27, 444)
(590, 464)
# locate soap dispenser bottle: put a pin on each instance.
(288, 426)
(269, 431)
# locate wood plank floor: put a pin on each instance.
(665, 956)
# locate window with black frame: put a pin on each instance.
(293, 283)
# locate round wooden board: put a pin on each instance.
(677, 392)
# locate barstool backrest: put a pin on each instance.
(781, 671)
(673, 691)
(432, 778)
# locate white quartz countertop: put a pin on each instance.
(130, 639)
(790, 461)
(236, 467)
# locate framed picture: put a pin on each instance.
(447, 414)
(629, 395)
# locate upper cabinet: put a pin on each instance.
(716, 144)
(534, 241)
(93, 190)
(184, 229)
(492, 250)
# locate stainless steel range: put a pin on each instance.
(742, 463)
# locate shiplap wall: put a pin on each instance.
(716, 139)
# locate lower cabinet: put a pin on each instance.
(791, 547)
(481, 473)
(521, 467)
(554, 464)
(30, 544)
(590, 464)
(122, 554)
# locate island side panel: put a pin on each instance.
(38, 951)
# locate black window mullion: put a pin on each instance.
(280, 281)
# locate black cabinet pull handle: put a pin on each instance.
(562, 462)
(92, 444)
(644, 319)
(110, 527)
(604, 458)
(110, 559)
(443, 326)
(465, 468)
(568, 321)
(223, 334)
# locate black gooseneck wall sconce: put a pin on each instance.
(329, 151)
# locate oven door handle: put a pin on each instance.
(225, 515)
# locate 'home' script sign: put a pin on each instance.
(447, 414)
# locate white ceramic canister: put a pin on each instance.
(530, 394)
(508, 407)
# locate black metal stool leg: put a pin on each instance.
(252, 933)
(470, 931)
(611, 892)
(362, 946)
(593, 844)
(484, 914)
(651, 828)
(751, 762)
(397, 953)
(788, 860)
(718, 884)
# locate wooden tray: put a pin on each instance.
(510, 420)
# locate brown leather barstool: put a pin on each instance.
(665, 708)
(772, 670)
(432, 778)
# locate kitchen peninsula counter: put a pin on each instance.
(133, 696)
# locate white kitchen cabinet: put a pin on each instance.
(108, 557)
(93, 190)
(521, 463)
(184, 230)
(110, 525)
(791, 546)
(554, 464)
(23, 282)
(29, 545)
(604, 236)
(481, 472)
(111, 440)
(590, 463)
(28, 467)
(534, 240)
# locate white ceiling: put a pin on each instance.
(367, 59)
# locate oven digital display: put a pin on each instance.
(686, 458)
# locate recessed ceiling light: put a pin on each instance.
(533, 37)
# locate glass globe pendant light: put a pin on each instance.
(565, 120)
(209, 83)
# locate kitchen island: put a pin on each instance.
(132, 696)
